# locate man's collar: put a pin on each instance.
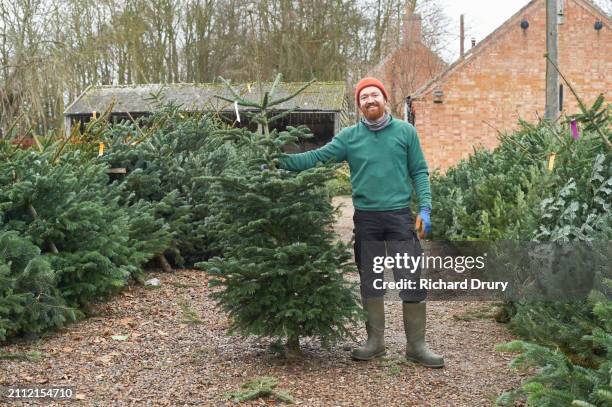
(378, 125)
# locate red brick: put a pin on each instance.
(505, 79)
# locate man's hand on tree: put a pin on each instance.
(423, 222)
(273, 165)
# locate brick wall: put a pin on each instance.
(408, 68)
(504, 79)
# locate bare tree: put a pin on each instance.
(51, 50)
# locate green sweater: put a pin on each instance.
(382, 164)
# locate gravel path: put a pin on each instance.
(166, 361)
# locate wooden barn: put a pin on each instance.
(323, 106)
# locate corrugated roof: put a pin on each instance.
(319, 96)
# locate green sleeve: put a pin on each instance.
(334, 150)
(417, 168)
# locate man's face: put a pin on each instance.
(372, 103)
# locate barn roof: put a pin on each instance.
(318, 97)
(489, 40)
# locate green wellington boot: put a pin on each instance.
(375, 327)
(414, 326)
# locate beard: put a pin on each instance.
(373, 111)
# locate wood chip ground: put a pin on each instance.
(166, 361)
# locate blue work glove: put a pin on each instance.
(423, 222)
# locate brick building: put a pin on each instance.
(503, 78)
(410, 65)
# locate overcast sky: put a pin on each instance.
(481, 18)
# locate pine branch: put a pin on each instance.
(294, 94)
(275, 84)
(237, 97)
(34, 215)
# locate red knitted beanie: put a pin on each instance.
(365, 82)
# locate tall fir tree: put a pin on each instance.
(282, 270)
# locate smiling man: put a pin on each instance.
(385, 160)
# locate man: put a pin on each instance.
(384, 156)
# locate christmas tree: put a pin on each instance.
(30, 301)
(164, 157)
(65, 240)
(281, 273)
(546, 184)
